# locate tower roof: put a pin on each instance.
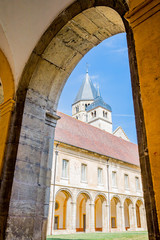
(98, 102)
(87, 91)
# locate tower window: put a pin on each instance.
(94, 113)
(77, 109)
(86, 106)
(104, 114)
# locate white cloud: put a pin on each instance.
(123, 115)
(93, 77)
(119, 50)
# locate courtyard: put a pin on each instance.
(103, 236)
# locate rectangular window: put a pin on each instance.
(84, 172)
(114, 179)
(126, 181)
(99, 175)
(65, 168)
(137, 183)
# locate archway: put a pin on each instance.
(140, 215)
(62, 214)
(100, 218)
(115, 213)
(76, 30)
(128, 214)
(82, 212)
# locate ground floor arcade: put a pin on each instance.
(75, 210)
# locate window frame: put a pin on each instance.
(62, 176)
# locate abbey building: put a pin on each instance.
(96, 179)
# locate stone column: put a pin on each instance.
(69, 216)
(87, 216)
(104, 217)
(119, 216)
(73, 216)
(142, 16)
(92, 217)
(135, 217)
(132, 217)
(32, 175)
(122, 218)
(108, 218)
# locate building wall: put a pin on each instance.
(91, 190)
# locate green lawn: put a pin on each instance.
(103, 236)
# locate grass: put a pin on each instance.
(102, 236)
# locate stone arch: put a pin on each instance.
(117, 197)
(66, 191)
(62, 215)
(86, 194)
(128, 213)
(43, 79)
(115, 212)
(140, 214)
(99, 210)
(102, 196)
(83, 211)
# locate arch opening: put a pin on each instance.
(82, 212)
(62, 210)
(115, 215)
(127, 213)
(99, 213)
(55, 60)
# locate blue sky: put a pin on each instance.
(108, 67)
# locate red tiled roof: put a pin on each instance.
(79, 134)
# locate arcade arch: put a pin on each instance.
(100, 213)
(82, 212)
(62, 218)
(58, 51)
(128, 213)
(115, 213)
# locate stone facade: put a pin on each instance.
(87, 203)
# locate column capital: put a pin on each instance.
(7, 106)
(142, 11)
(51, 118)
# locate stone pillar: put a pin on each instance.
(104, 217)
(50, 225)
(135, 217)
(73, 216)
(29, 202)
(122, 218)
(108, 218)
(87, 216)
(131, 217)
(92, 217)
(69, 216)
(142, 16)
(119, 216)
